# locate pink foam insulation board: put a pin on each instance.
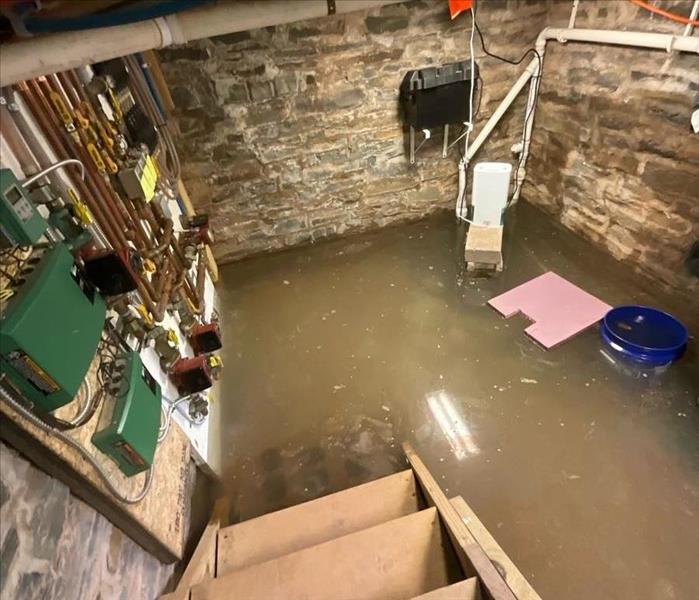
(558, 308)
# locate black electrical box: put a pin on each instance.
(437, 96)
(112, 272)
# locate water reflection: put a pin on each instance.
(452, 424)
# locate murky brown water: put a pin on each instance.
(587, 476)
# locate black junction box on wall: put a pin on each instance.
(436, 96)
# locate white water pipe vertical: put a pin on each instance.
(573, 13)
(692, 17)
(659, 41)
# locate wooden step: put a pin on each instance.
(317, 521)
(511, 574)
(396, 560)
(463, 590)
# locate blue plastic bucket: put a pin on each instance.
(644, 335)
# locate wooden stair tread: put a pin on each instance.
(276, 534)
(462, 590)
(395, 560)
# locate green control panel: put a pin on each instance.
(128, 428)
(50, 330)
(20, 221)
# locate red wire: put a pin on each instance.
(669, 15)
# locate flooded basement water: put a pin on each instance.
(587, 476)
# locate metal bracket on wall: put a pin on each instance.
(332, 9)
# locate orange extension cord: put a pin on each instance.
(667, 14)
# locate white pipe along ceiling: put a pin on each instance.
(37, 56)
(634, 39)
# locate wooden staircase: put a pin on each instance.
(395, 538)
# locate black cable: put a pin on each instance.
(537, 83)
(537, 80)
(501, 58)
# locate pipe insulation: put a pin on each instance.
(34, 57)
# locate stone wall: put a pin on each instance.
(53, 545)
(291, 134)
(612, 153)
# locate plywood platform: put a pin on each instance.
(158, 523)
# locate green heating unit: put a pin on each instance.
(49, 331)
(20, 221)
(128, 428)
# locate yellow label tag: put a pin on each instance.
(148, 265)
(149, 178)
(112, 167)
(115, 105)
(82, 212)
(96, 157)
(143, 311)
(62, 111)
(83, 122)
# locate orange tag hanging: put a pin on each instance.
(456, 7)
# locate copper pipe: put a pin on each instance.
(14, 140)
(164, 242)
(201, 278)
(115, 235)
(160, 216)
(86, 190)
(164, 300)
(152, 213)
(71, 149)
(112, 199)
(160, 285)
(108, 194)
(196, 304)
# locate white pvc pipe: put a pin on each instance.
(56, 52)
(494, 119)
(636, 39)
(692, 17)
(573, 14)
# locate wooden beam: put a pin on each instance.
(202, 565)
(471, 555)
(513, 576)
(160, 82)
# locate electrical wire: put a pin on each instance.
(471, 116)
(530, 112)
(536, 83)
(462, 131)
(164, 429)
(502, 58)
(666, 13)
(172, 405)
(37, 422)
(53, 167)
